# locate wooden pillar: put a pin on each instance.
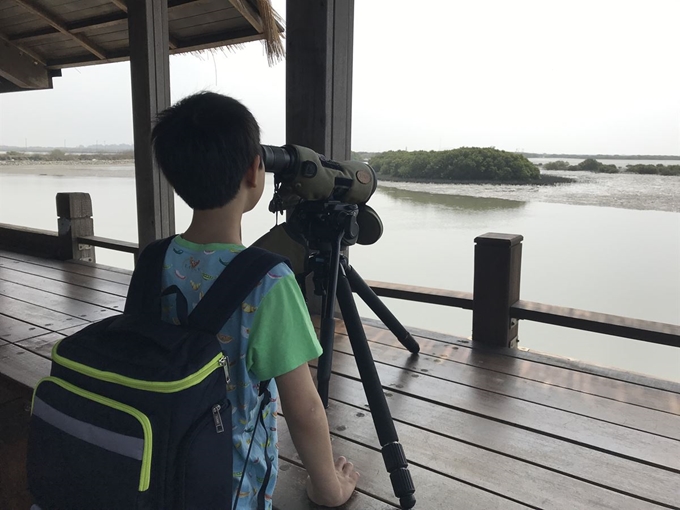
(498, 262)
(319, 48)
(150, 77)
(74, 212)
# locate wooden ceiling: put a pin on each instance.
(54, 34)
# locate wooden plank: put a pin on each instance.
(37, 315)
(22, 366)
(110, 244)
(554, 376)
(104, 267)
(248, 12)
(39, 242)
(203, 10)
(599, 468)
(634, 417)
(626, 327)
(45, 37)
(509, 477)
(433, 490)
(80, 10)
(59, 24)
(41, 345)
(87, 282)
(548, 359)
(633, 444)
(114, 21)
(98, 271)
(56, 47)
(291, 493)
(202, 27)
(13, 330)
(217, 40)
(100, 299)
(72, 329)
(68, 306)
(443, 297)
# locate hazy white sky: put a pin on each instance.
(577, 76)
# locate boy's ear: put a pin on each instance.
(251, 173)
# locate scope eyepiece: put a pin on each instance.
(277, 159)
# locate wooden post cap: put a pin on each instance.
(499, 239)
(74, 205)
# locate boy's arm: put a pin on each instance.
(329, 484)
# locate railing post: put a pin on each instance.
(498, 263)
(74, 211)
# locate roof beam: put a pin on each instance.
(74, 27)
(83, 25)
(240, 36)
(21, 69)
(61, 26)
(122, 5)
(249, 13)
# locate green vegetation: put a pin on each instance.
(593, 165)
(363, 156)
(654, 169)
(557, 165)
(60, 155)
(464, 164)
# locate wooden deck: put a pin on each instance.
(482, 429)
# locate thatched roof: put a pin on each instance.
(54, 34)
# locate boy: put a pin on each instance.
(208, 147)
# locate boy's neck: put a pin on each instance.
(221, 225)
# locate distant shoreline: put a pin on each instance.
(637, 157)
(545, 180)
(123, 168)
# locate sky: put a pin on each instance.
(547, 76)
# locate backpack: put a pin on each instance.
(134, 414)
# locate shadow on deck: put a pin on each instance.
(482, 429)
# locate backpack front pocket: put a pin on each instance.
(85, 450)
(204, 477)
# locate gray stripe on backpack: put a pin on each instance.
(112, 441)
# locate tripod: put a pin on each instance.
(328, 227)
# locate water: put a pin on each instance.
(608, 243)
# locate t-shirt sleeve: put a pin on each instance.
(282, 336)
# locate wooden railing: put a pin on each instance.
(495, 304)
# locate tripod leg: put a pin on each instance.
(392, 451)
(327, 334)
(374, 303)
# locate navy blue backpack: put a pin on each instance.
(134, 414)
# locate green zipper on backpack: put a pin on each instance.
(145, 475)
(219, 361)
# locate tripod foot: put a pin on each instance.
(407, 501)
(410, 343)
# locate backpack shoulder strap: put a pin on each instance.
(232, 286)
(145, 286)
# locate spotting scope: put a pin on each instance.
(304, 174)
(319, 196)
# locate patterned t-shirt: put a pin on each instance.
(270, 336)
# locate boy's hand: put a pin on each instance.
(335, 496)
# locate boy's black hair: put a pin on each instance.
(204, 144)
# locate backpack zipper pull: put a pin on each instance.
(219, 426)
(224, 363)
